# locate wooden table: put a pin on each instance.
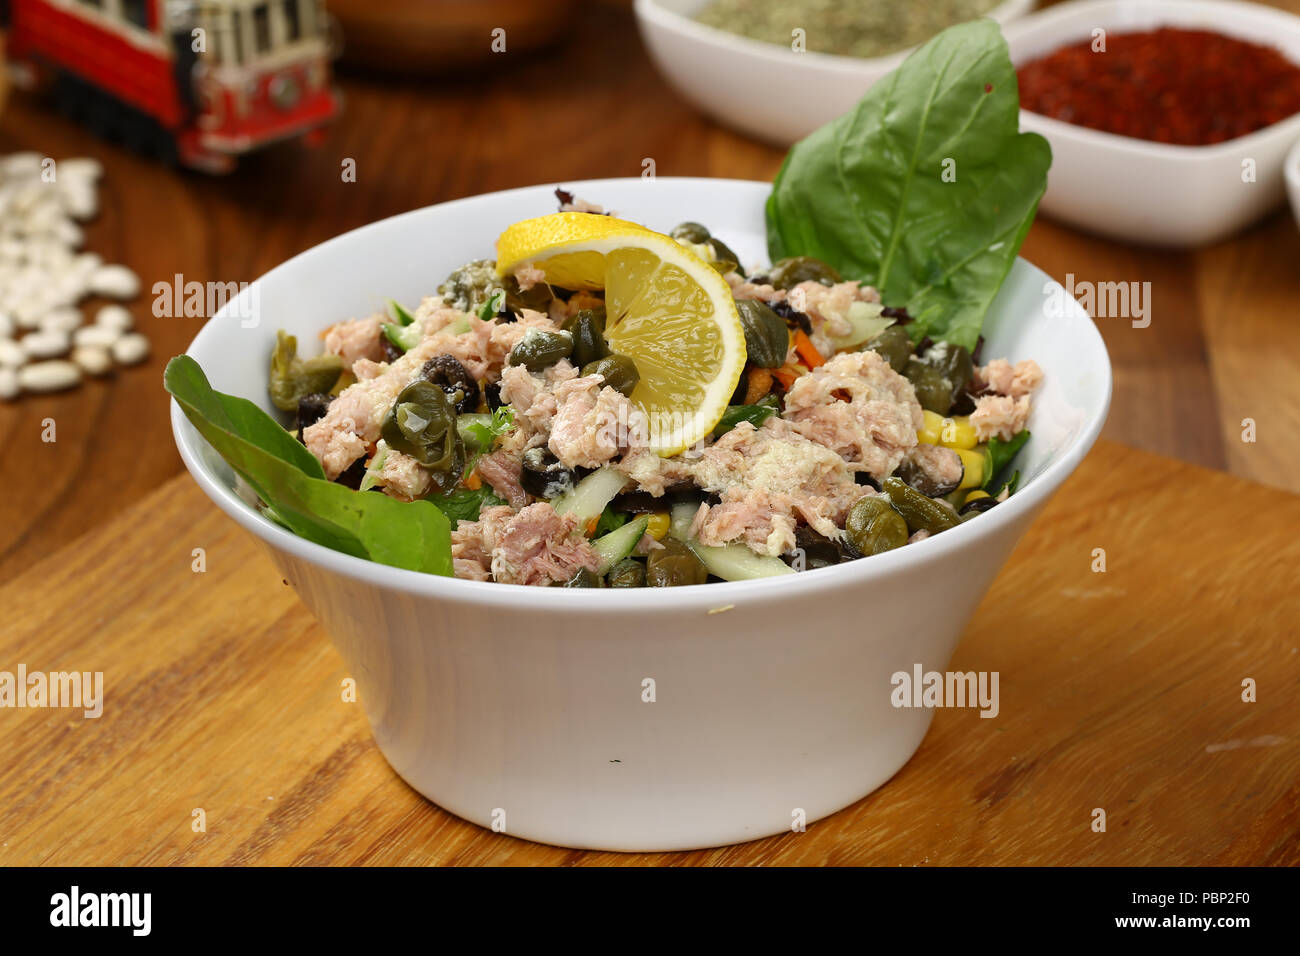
(1222, 346)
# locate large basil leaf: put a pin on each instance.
(412, 535)
(867, 192)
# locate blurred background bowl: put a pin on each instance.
(428, 37)
(1293, 180)
(762, 89)
(1147, 192)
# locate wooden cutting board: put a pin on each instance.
(1120, 690)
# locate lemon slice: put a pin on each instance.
(666, 309)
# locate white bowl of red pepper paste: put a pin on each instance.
(1169, 120)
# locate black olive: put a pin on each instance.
(932, 470)
(793, 318)
(899, 316)
(977, 506)
(818, 550)
(311, 409)
(492, 395)
(391, 352)
(353, 475)
(448, 374)
(742, 388)
(542, 474)
(863, 478)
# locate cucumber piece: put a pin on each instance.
(865, 323)
(467, 434)
(619, 543)
(735, 562)
(589, 497)
(680, 518)
(404, 337)
(400, 312)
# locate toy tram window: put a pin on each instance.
(97, 4)
(136, 12)
(262, 27)
(292, 23)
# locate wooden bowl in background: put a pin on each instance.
(435, 36)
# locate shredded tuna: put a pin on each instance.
(999, 376)
(860, 407)
(999, 415)
(940, 465)
(533, 546)
(742, 288)
(403, 477)
(502, 470)
(355, 339)
(351, 423)
(528, 275)
(593, 424)
(468, 558)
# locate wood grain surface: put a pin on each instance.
(1119, 690)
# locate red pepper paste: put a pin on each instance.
(1189, 87)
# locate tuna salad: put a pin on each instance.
(500, 399)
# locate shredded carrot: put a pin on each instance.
(591, 524)
(785, 376)
(473, 482)
(807, 351)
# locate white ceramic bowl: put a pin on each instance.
(1157, 193)
(1293, 180)
(762, 89)
(496, 699)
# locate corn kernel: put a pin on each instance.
(973, 462)
(931, 430)
(957, 432)
(657, 527)
(975, 496)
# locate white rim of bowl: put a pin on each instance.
(1043, 19)
(776, 54)
(704, 597)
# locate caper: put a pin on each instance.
(691, 232)
(894, 345)
(920, 513)
(940, 375)
(584, 578)
(674, 565)
(542, 474)
(538, 297)
(471, 286)
(422, 424)
(291, 377)
(619, 371)
(788, 273)
(448, 374)
(628, 573)
(767, 337)
(874, 527)
(724, 260)
(539, 349)
(587, 327)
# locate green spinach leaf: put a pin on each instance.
(413, 535)
(926, 189)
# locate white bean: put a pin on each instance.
(93, 360)
(131, 349)
(48, 376)
(11, 354)
(96, 336)
(8, 383)
(63, 319)
(45, 345)
(80, 200)
(114, 317)
(6, 326)
(115, 282)
(80, 167)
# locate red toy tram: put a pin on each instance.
(197, 82)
